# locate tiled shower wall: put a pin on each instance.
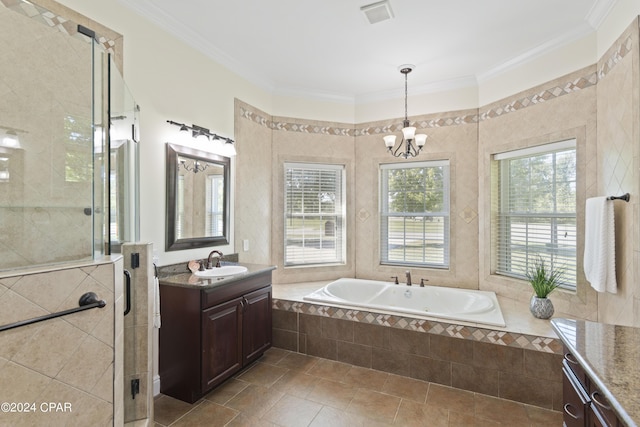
(46, 97)
(75, 359)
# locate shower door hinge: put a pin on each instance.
(135, 260)
(87, 32)
(135, 387)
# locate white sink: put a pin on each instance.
(226, 270)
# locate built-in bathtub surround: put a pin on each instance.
(509, 365)
(75, 359)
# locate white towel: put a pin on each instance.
(156, 303)
(600, 245)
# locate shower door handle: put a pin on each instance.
(127, 289)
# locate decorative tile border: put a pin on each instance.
(295, 127)
(510, 339)
(618, 54)
(52, 20)
(540, 97)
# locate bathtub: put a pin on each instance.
(430, 301)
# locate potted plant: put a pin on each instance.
(543, 280)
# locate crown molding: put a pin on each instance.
(598, 12)
(536, 52)
(147, 9)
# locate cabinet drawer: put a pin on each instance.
(220, 294)
(575, 400)
(601, 406)
(572, 363)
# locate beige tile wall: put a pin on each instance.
(253, 176)
(264, 143)
(75, 359)
(618, 166)
(452, 136)
(597, 105)
(569, 115)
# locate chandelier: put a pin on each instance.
(410, 144)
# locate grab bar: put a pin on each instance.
(624, 197)
(127, 288)
(87, 301)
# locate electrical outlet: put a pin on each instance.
(245, 245)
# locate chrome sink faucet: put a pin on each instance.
(210, 259)
(408, 274)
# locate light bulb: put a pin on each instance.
(409, 132)
(389, 140)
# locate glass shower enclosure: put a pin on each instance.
(68, 145)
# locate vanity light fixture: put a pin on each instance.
(411, 144)
(198, 131)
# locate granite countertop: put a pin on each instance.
(188, 280)
(610, 356)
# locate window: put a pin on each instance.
(414, 214)
(536, 210)
(314, 229)
(214, 204)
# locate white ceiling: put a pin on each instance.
(327, 49)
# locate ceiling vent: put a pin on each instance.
(377, 12)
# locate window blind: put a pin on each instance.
(536, 211)
(414, 214)
(314, 229)
(215, 205)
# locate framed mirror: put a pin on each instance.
(197, 198)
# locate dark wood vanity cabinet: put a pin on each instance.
(207, 335)
(583, 404)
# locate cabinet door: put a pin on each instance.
(575, 399)
(221, 342)
(256, 324)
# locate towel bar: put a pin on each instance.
(624, 197)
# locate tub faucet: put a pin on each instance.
(210, 260)
(408, 273)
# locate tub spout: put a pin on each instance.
(408, 273)
(210, 259)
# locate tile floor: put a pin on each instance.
(285, 388)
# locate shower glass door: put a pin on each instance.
(47, 165)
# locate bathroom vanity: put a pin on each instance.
(601, 373)
(211, 329)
